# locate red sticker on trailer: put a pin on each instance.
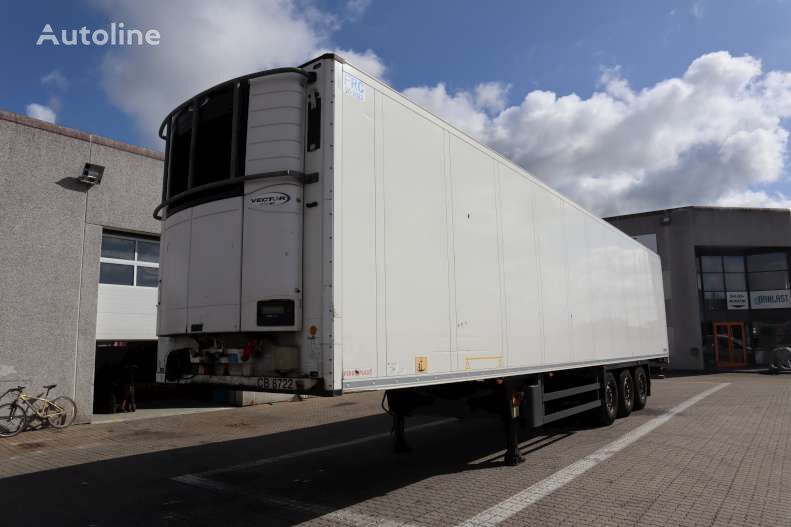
(358, 373)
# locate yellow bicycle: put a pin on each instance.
(59, 412)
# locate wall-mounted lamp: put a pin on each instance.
(91, 174)
(665, 220)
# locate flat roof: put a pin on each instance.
(700, 207)
(77, 134)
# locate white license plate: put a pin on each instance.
(276, 383)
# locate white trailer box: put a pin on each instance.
(323, 234)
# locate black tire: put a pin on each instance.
(609, 395)
(640, 388)
(625, 393)
(13, 419)
(62, 419)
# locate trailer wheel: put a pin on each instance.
(626, 393)
(609, 407)
(640, 388)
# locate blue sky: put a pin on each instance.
(560, 48)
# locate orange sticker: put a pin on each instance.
(421, 364)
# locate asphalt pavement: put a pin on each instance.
(708, 450)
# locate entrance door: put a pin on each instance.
(729, 347)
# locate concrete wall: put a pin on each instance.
(50, 241)
(677, 238)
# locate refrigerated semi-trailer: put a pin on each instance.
(324, 234)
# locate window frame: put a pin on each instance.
(131, 263)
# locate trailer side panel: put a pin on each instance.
(458, 265)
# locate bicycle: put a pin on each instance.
(14, 416)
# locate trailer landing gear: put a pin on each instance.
(399, 405)
(400, 445)
(513, 398)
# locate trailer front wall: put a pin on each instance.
(451, 260)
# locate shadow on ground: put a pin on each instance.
(139, 490)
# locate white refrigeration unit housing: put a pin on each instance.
(322, 233)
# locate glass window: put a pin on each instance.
(121, 248)
(767, 262)
(180, 152)
(735, 282)
(711, 264)
(213, 142)
(111, 273)
(713, 282)
(768, 281)
(147, 276)
(733, 264)
(148, 251)
(714, 301)
(130, 261)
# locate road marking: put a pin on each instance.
(344, 516)
(309, 451)
(518, 502)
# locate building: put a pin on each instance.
(79, 266)
(78, 261)
(726, 281)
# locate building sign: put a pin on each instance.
(780, 298)
(738, 300)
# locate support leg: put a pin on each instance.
(513, 402)
(400, 444)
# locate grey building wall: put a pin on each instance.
(678, 233)
(50, 240)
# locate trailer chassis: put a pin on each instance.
(527, 401)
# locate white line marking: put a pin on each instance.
(341, 516)
(518, 502)
(344, 516)
(300, 453)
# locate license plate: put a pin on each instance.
(276, 383)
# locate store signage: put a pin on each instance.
(738, 300)
(780, 298)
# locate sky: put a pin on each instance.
(624, 106)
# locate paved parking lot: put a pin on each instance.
(708, 450)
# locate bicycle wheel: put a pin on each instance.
(13, 419)
(61, 412)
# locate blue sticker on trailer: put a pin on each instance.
(353, 87)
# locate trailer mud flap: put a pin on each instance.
(178, 364)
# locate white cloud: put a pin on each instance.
(492, 96)
(355, 9)
(204, 43)
(367, 61)
(750, 198)
(55, 78)
(697, 8)
(41, 112)
(713, 135)
(460, 109)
